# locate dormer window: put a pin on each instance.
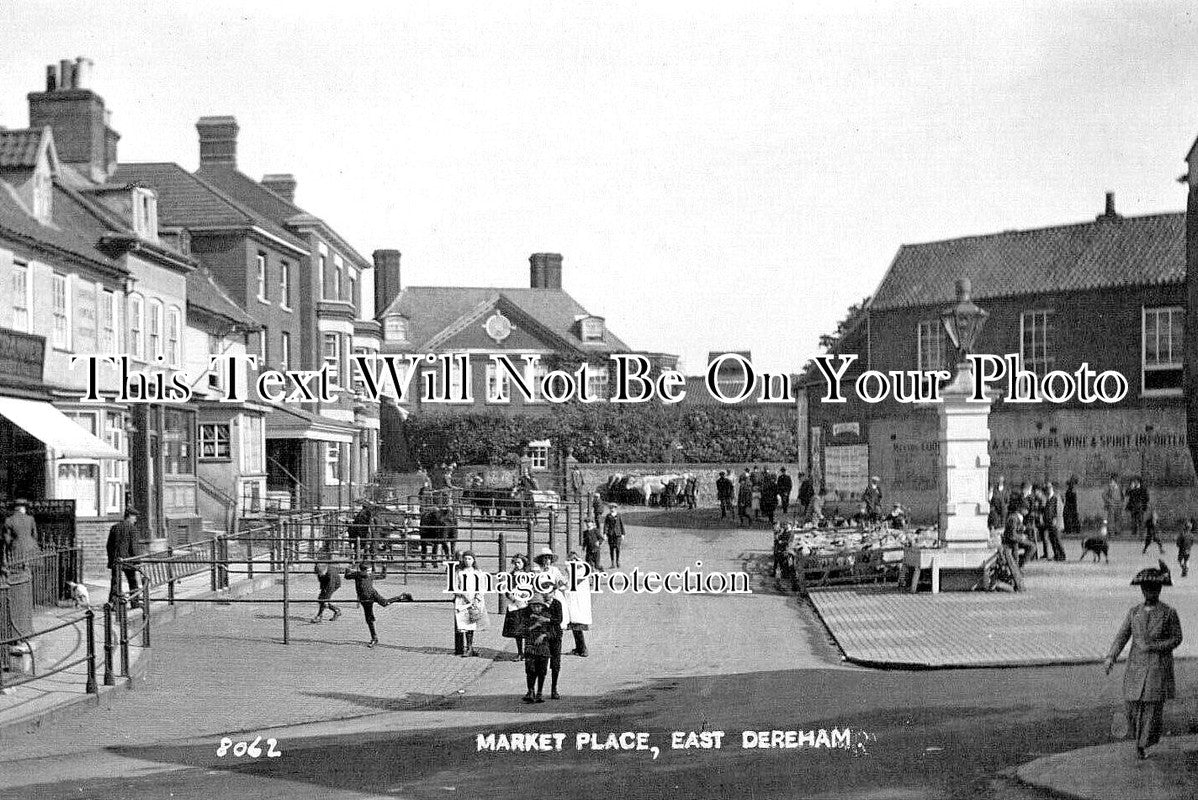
(592, 329)
(145, 213)
(395, 328)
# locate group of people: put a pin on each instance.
(759, 494)
(1035, 517)
(536, 623)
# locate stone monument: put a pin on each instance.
(964, 463)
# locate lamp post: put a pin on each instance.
(963, 471)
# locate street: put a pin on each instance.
(352, 722)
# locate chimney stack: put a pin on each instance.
(1110, 212)
(281, 184)
(386, 279)
(218, 141)
(78, 118)
(545, 270)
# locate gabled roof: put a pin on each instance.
(1108, 252)
(188, 201)
(205, 293)
(75, 229)
(431, 310)
(20, 149)
(266, 203)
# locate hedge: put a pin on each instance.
(606, 433)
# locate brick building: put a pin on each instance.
(307, 288)
(1109, 292)
(542, 320)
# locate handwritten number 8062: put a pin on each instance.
(250, 749)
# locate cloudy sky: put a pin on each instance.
(718, 176)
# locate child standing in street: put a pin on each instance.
(364, 577)
(330, 581)
(1185, 540)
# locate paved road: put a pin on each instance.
(392, 725)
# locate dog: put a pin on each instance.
(1097, 546)
(79, 595)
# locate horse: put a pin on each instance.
(438, 527)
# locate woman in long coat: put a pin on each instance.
(469, 603)
(1155, 632)
(1073, 521)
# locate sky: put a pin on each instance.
(717, 176)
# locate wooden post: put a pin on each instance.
(528, 529)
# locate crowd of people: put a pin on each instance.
(1034, 518)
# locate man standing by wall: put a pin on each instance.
(785, 487)
(20, 536)
(1137, 505)
(723, 493)
(1112, 505)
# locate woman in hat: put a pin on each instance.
(1155, 632)
(469, 605)
(515, 620)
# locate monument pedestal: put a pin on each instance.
(964, 481)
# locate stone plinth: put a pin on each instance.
(963, 481)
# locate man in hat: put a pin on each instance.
(1155, 632)
(613, 531)
(872, 497)
(723, 492)
(122, 543)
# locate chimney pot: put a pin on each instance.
(51, 78)
(66, 74)
(83, 70)
(218, 141)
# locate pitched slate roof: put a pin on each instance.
(249, 192)
(19, 149)
(1105, 253)
(75, 228)
(188, 201)
(433, 309)
(204, 292)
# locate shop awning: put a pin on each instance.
(59, 433)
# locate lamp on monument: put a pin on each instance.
(963, 321)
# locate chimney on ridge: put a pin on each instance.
(282, 184)
(545, 270)
(78, 118)
(218, 141)
(1110, 212)
(386, 279)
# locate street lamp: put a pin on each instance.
(963, 321)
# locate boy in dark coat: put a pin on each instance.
(723, 492)
(613, 531)
(543, 649)
(364, 577)
(1185, 540)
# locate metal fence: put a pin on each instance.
(51, 571)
